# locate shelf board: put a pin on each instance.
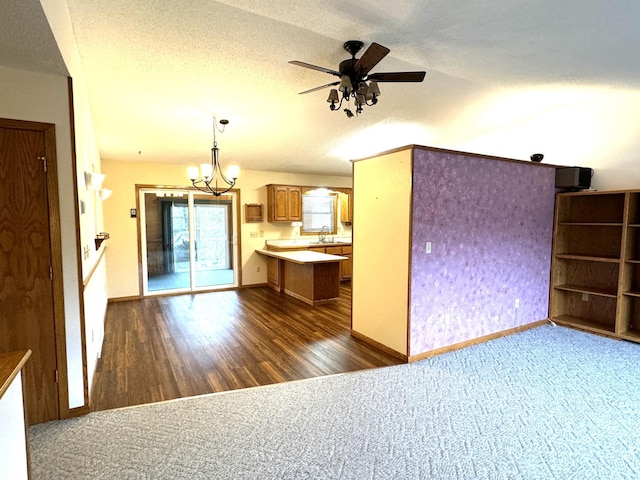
(585, 323)
(584, 289)
(632, 293)
(253, 212)
(591, 224)
(634, 225)
(633, 335)
(588, 258)
(632, 260)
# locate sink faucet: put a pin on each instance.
(322, 236)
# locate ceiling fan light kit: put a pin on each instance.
(355, 81)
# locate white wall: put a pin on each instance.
(95, 301)
(87, 160)
(382, 210)
(45, 98)
(13, 445)
(122, 247)
(573, 125)
(87, 154)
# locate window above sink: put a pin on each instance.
(318, 211)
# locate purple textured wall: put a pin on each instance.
(491, 225)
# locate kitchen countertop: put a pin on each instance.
(303, 256)
(304, 243)
(10, 365)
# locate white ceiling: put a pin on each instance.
(504, 77)
(26, 41)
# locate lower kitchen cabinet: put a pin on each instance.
(346, 266)
(273, 273)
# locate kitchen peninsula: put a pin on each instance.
(310, 276)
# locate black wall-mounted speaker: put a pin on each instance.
(573, 178)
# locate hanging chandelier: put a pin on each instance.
(213, 179)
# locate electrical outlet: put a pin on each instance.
(258, 269)
(428, 248)
(585, 297)
(253, 235)
(262, 233)
(517, 303)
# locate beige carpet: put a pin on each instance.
(549, 403)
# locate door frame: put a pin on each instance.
(237, 240)
(57, 283)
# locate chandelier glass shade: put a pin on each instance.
(365, 94)
(210, 177)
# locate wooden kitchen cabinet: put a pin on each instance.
(308, 276)
(284, 203)
(346, 207)
(346, 266)
(274, 274)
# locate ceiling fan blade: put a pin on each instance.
(315, 67)
(320, 88)
(370, 58)
(397, 77)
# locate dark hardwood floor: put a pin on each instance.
(170, 347)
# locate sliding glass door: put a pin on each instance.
(214, 241)
(188, 241)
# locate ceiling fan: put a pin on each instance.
(355, 80)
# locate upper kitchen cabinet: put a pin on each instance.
(284, 203)
(346, 207)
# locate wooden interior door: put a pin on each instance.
(26, 288)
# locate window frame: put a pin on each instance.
(332, 224)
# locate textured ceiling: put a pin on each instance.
(158, 70)
(26, 41)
